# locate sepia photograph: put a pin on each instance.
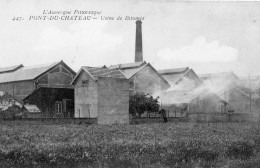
(129, 84)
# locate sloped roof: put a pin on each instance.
(128, 65)
(243, 93)
(129, 69)
(174, 75)
(99, 72)
(132, 71)
(32, 108)
(104, 72)
(10, 68)
(26, 73)
(173, 70)
(218, 75)
(174, 78)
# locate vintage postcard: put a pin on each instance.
(129, 83)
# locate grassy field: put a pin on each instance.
(146, 145)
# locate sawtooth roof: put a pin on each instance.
(27, 73)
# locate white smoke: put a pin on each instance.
(186, 90)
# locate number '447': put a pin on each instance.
(17, 18)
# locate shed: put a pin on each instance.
(101, 93)
(31, 111)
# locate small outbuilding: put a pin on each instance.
(101, 93)
(31, 111)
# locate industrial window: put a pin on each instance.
(85, 83)
(58, 107)
(43, 79)
(131, 84)
(65, 70)
(55, 70)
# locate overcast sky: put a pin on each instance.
(206, 36)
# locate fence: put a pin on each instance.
(146, 120)
(57, 120)
(222, 117)
(169, 113)
(191, 117)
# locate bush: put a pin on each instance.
(186, 152)
(240, 150)
(141, 102)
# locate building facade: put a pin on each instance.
(103, 94)
(46, 86)
(184, 77)
(229, 88)
(142, 77)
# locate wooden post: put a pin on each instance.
(250, 94)
(13, 90)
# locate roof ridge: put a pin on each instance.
(175, 68)
(127, 65)
(41, 65)
(12, 66)
(183, 76)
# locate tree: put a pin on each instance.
(9, 106)
(141, 102)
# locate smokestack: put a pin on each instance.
(138, 42)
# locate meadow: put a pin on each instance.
(180, 145)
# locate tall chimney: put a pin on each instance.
(138, 42)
